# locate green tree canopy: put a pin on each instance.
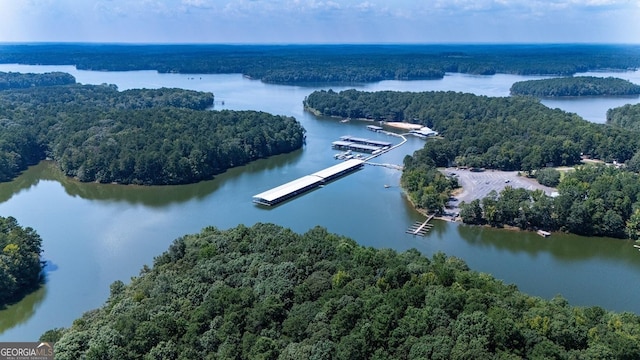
(575, 86)
(592, 200)
(627, 116)
(138, 136)
(331, 63)
(548, 177)
(20, 264)
(265, 292)
(506, 133)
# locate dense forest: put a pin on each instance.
(20, 265)
(331, 63)
(139, 136)
(627, 117)
(575, 86)
(592, 200)
(265, 292)
(20, 81)
(506, 133)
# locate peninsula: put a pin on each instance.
(139, 136)
(511, 134)
(575, 86)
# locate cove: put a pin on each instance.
(94, 234)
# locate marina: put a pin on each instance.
(320, 178)
(139, 223)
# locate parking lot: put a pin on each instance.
(476, 185)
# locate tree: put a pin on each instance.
(548, 177)
(471, 213)
(383, 305)
(633, 225)
(20, 265)
(634, 163)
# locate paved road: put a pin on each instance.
(476, 185)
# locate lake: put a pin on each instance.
(94, 234)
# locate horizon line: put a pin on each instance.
(453, 43)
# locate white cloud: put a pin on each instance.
(319, 20)
(197, 3)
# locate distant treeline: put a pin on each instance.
(506, 133)
(140, 136)
(265, 292)
(575, 86)
(331, 63)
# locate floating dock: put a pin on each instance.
(306, 183)
(348, 145)
(421, 228)
(363, 141)
(360, 144)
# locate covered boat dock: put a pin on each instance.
(306, 183)
(338, 170)
(353, 143)
(348, 145)
(287, 191)
(363, 141)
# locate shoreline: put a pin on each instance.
(458, 219)
(449, 217)
(402, 125)
(394, 124)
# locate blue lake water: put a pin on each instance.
(94, 234)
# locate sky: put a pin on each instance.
(319, 21)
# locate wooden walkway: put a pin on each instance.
(420, 228)
(390, 166)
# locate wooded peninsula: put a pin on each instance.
(593, 200)
(20, 264)
(140, 136)
(510, 133)
(575, 86)
(265, 292)
(504, 133)
(626, 117)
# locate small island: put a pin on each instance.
(575, 86)
(20, 264)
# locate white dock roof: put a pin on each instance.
(288, 188)
(336, 169)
